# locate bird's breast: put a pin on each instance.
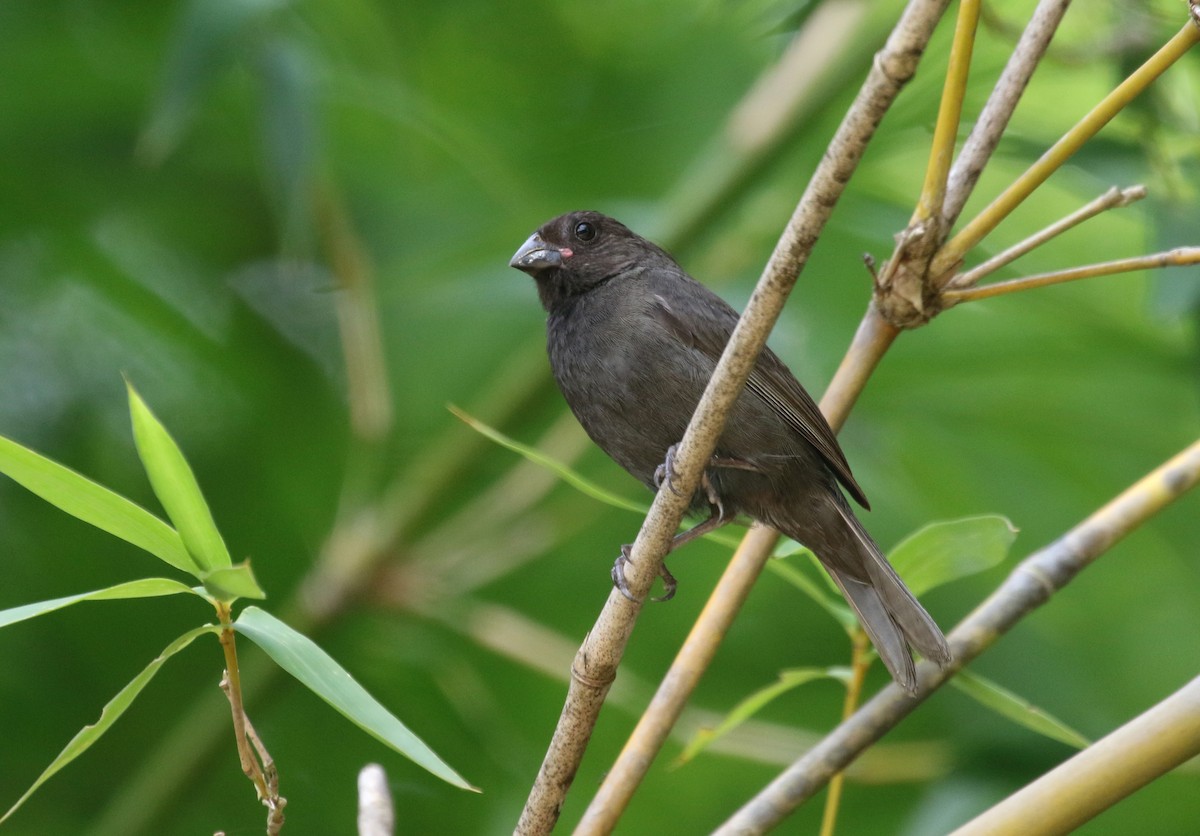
(621, 378)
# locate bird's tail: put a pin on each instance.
(891, 615)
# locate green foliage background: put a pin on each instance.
(160, 162)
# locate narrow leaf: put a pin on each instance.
(752, 704)
(228, 585)
(110, 714)
(1016, 708)
(175, 486)
(94, 504)
(313, 667)
(945, 551)
(571, 477)
(561, 470)
(144, 588)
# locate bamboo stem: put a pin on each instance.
(945, 132)
(1108, 771)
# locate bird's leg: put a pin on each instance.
(665, 472)
(619, 581)
(718, 517)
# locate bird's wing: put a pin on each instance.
(770, 379)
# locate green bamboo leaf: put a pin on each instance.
(94, 504)
(176, 488)
(228, 585)
(571, 477)
(88, 735)
(945, 551)
(563, 472)
(299, 656)
(1016, 708)
(144, 588)
(752, 704)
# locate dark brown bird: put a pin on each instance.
(633, 340)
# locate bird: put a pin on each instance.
(632, 341)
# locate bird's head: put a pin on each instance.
(574, 253)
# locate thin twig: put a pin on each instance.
(1112, 199)
(1034, 581)
(597, 660)
(993, 119)
(256, 761)
(232, 686)
(953, 252)
(945, 132)
(274, 801)
(1179, 257)
(1108, 771)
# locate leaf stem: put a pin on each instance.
(256, 762)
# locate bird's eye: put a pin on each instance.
(584, 231)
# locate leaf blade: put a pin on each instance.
(1014, 707)
(539, 458)
(235, 582)
(944, 551)
(111, 712)
(313, 667)
(144, 588)
(752, 703)
(93, 503)
(176, 487)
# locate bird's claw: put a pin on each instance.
(665, 472)
(622, 585)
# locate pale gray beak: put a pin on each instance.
(536, 255)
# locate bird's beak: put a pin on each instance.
(536, 255)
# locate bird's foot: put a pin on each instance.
(665, 472)
(622, 585)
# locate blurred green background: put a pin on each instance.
(209, 196)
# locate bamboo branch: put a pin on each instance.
(945, 132)
(1108, 771)
(1178, 257)
(1112, 199)
(993, 119)
(1032, 583)
(1087, 127)
(597, 660)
